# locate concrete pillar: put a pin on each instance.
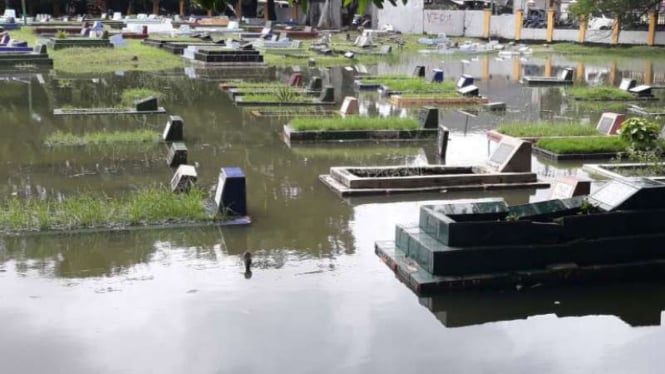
(487, 13)
(616, 29)
(584, 22)
(550, 25)
(653, 20)
(519, 20)
(548, 66)
(648, 72)
(239, 10)
(579, 71)
(485, 64)
(294, 12)
(613, 73)
(517, 69)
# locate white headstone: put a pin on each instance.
(349, 106)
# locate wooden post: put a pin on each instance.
(579, 72)
(648, 72)
(487, 13)
(519, 20)
(550, 25)
(653, 21)
(616, 29)
(548, 66)
(584, 22)
(517, 69)
(485, 63)
(613, 73)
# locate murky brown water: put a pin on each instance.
(319, 301)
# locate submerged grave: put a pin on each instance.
(509, 167)
(614, 234)
(148, 105)
(564, 77)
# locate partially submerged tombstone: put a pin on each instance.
(610, 123)
(295, 80)
(174, 129)
(327, 94)
(419, 71)
(627, 83)
(315, 84)
(567, 187)
(148, 104)
(429, 117)
(184, 179)
(437, 75)
(566, 74)
(177, 154)
(231, 192)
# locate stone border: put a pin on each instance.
(294, 136)
(103, 111)
(416, 101)
(601, 169)
(543, 81)
(279, 103)
(558, 157)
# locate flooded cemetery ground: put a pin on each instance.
(318, 299)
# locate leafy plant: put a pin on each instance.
(285, 94)
(61, 34)
(587, 208)
(512, 218)
(639, 133)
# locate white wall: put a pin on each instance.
(534, 34)
(503, 26)
(450, 22)
(473, 23)
(633, 37)
(569, 35)
(405, 18)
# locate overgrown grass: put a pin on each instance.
(418, 84)
(60, 138)
(596, 144)
(619, 51)
(270, 98)
(132, 94)
(599, 93)
(433, 96)
(143, 207)
(355, 123)
(545, 129)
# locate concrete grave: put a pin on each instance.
(173, 132)
(437, 76)
(641, 91)
(177, 154)
(442, 142)
(609, 123)
(567, 187)
(184, 179)
(470, 90)
(627, 83)
(429, 117)
(315, 84)
(231, 193)
(419, 71)
(349, 106)
(464, 80)
(327, 94)
(148, 104)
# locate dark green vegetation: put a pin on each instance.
(148, 206)
(60, 138)
(355, 123)
(599, 93)
(545, 129)
(595, 144)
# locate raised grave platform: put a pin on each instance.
(56, 44)
(565, 77)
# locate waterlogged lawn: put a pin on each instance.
(596, 144)
(143, 207)
(546, 129)
(599, 93)
(60, 138)
(355, 123)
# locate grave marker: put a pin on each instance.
(295, 80)
(566, 74)
(567, 187)
(177, 154)
(442, 142)
(437, 75)
(641, 91)
(183, 179)
(429, 117)
(349, 54)
(327, 94)
(627, 83)
(173, 132)
(419, 71)
(315, 84)
(231, 193)
(464, 80)
(609, 123)
(469, 91)
(349, 106)
(148, 104)
(511, 155)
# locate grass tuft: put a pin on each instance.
(60, 138)
(599, 93)
(596, 144)
(355, 123)
(545, 129)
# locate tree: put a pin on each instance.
(362, 4)
(155, 6)
(620, 9)
(211, 5)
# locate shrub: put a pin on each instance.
(639, 133)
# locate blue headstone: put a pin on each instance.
(464, 80)
(231, 194)
(437, 75)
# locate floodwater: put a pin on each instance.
(319, 300)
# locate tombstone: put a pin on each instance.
(311, 61)
(437, 75)
(419, 71)
(117, 16)
(386, 50)
(464, 80)
(627, 83)
(231, 193)
(315, 84)
(642, 91)
(442, 142)
(307, 29)
(177, 154)
(512, 155)
(268, 24)
(327, 94)
(349, 106)
(295, 80)
(566, 74)
(609, 123)
(429, 117)
(265, 31)
(469, 91)
(283, 35)
(118, 41)
(85, 31)
(40, 49)
(567, 187)
(296, 44)
(349, 54)
(144, 30)
(183, 179)
(173, 131)
(325, 51)
(5, 38)
(363, 42)
(496, 106)
(148, 104)
(274, 38)
(629, 194)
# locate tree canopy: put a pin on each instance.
(614, 8)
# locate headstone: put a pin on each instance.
(363, 42)
(442, 142)
(429, 117)
(149, 104)
(307, 29)
(349, 54)
(511, 155)
(231, 193)
(629, 194)
(5, 38)
(567, 187)
(419, 71)
(117, 16)
(496, 106)
(173, 132)
(315, 84)
(566, 74)
(437, 75)
(85, 31)
(468, 91)
(327, 94)
(177, 154)
(295, 80)
(641, 91)
(283, 35)
(464, 80)
(349, 106)
(40, 49)
(609, 123)
(183, 179)
(627, 83)
(385, 50)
